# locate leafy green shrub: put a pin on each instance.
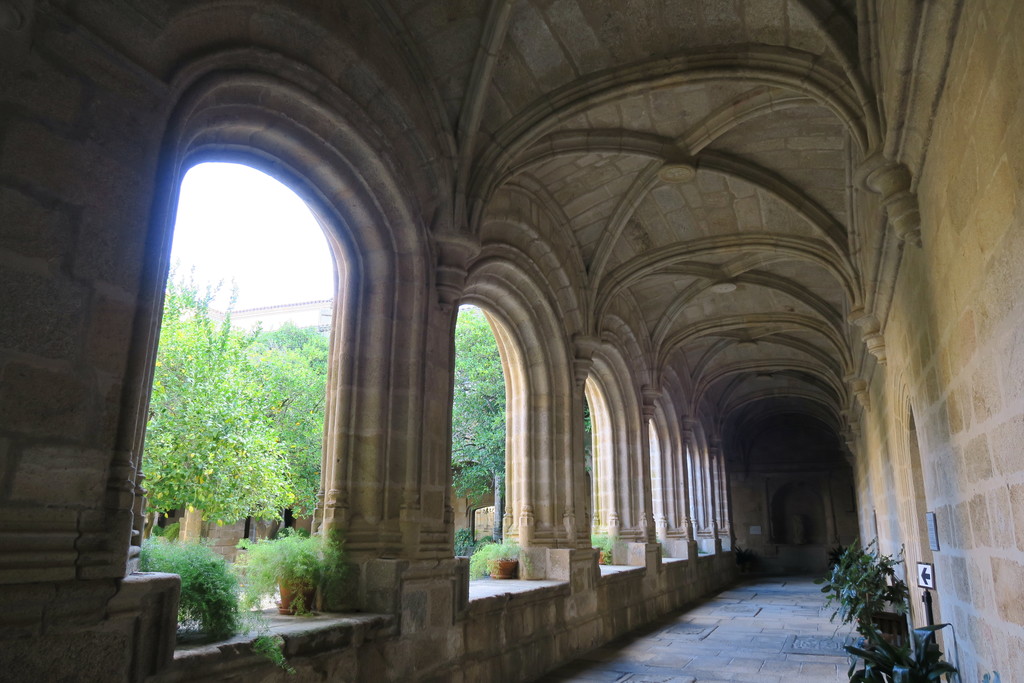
(605, 544)
(297, 562)
(835, 554)
(883, 661)
(285, 532)
(464, 543)
(209, 591)
(170, 532)
(745, 557)
(506, 550)
(862, 583)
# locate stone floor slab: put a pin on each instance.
(771, 630)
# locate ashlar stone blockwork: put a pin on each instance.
(708, 221)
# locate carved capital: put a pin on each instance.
(860, 392)
(454, 253)
(872, 332)
(649, 396)
(891, 180)
(584, 347)
(876, 346)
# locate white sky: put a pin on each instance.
(237, 223)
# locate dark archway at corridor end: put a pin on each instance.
(791, 486)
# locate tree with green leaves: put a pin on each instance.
(294, 362)
(212, 442)
(478, 413)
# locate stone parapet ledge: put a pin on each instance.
(148, 603)
(611, 573)
(499, 594)
(304, 638)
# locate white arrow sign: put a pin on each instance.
(925, 575)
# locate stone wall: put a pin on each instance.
(514, 636)
(383, 122)
(954, 345)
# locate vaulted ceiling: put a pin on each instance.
(697, 155)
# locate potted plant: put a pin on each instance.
(297, 566)
(745, 558)
(865, 588)
(882, 662)
(500, 560)
(603, 543)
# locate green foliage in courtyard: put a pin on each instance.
(236, 417)
(212, 441)
(464, 542)
(605, 544)
(209, 591)
(294, 362)
(478, 409)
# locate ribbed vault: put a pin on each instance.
(693, 168)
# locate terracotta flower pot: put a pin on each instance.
(503, 569)
(298, 601)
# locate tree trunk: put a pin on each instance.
(151, 521)
(499, 509)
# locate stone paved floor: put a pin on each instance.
(769, 630)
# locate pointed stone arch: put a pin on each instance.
(382, 256)
(544, 463)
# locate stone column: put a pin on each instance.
(725, 505)
(577, 561)
(579, 512)
(714, 452)
(689, 448)
(648, 395)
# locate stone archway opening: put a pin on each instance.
(480, 433)
(234, 442)
(605, 520)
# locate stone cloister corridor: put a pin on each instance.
(775, 246)
(764, 630)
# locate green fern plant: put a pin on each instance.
(209, 591)
(272, 647)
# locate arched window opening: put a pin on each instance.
(913, 509)
(588, 455)
(236, 421)
(480, 467)
(605, 513)
(658, 475)
(691, 481)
